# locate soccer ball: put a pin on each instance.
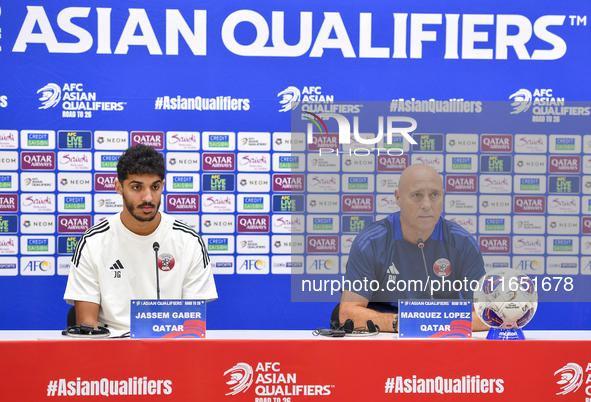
(505, 298)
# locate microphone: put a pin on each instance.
(156, 247)
(421, 245)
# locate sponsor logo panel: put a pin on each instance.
(218, 141)
(428, 143)
(496, 163)
(63, 266)
(221, 203)
(219, 244)
(289, 203)
(461, 183)
(8, 224)
(183, 161)
(323, 183)
(41, 203)
(460, 204)
(73, 223)
(461, 143)
(37, 266)
(252, 264)
(528, 244)
(37, 161)
(8, 203)
(289, 162)
(355, 223)
(254, 182)
(496, 261)
(562, 266)
(108, 203)
(347, 243)
(9, 160)
(289, 142)
(354, 163)
(288, 223)
(284, 264)
(67, 244)
(433, 160)
(111, 141)
(74, 139)
(253, 203)
(387, 163)
(324, 141)
(386, 203)
(182, 203)
(254, 141)
(9, 182)
(254, 162)
(529, 204)
(324, 163)
(565, 245)
(494, 224)
(217, 223)
(531, 143)
(221, 264)
(248, 244)
(526, 224)
(495, 183)
(565, 144)
(74, 203)
(495, 244)
(216, 162)
(8, 245)
(33, 224)
(183, 141)
(564, 164)
(37, 139)
(496, 143)
(37, 182)
(104, 181)
(387, 183)
(322, 244)
(287, 244)
(530, 164)
(214, 182)
(185, 182)
(529, 184)
(8, 139)
(75, 182)
(322, 264)
(529, 264)
(468, 222)
(357, 203)
(323, 203)
(289, 182)
(74, 160)
(586, 225)
(558, 224)
(564, 184)
(568, 205)
(253, 223)
(358, 183)
(37, 244)
(461, 163)
(8, 265)
(106, 161)
(154, 139)
(322, 223)
(495, 204)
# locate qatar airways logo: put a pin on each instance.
(73, 223)
(182, 203)
(358, 203)
(495, 244)
(37, 160)
(322, 244)
(529, 205)
(253, 223)
(496, 143)
(565, 164)
(225, 162)
(104, 181)
(287, 182)
(460, 184)
(387, 163)
(8, 203)
(586, 225)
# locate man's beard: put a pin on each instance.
(141, 218)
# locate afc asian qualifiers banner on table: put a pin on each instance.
(331, 369)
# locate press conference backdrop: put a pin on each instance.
(210, 84)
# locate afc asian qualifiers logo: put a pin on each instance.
(442, 267)
(165, 262)
(571, 378)
(241, 377)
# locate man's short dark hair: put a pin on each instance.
(140, 159)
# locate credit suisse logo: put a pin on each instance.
(37, 160)
(218, 162)
(182, 203)
(154, 139)
(461, 183)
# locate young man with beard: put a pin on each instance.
(114, 261)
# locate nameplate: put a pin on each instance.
(167, 319)
(435, 318)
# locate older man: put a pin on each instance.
(386, 253)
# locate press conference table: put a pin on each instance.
(287, 366)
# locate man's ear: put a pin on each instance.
(118, 187)
(396, 195)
